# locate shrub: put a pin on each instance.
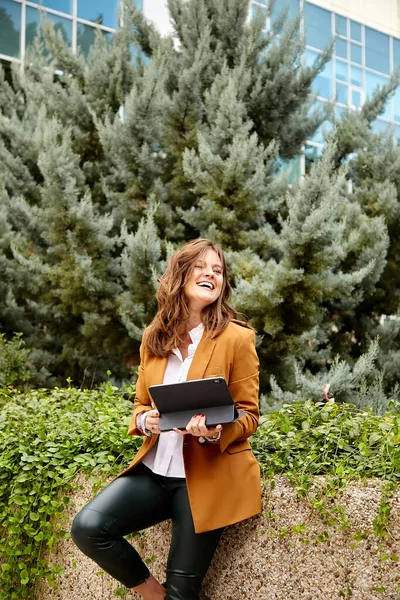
(47, 437)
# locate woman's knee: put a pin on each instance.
(87, 527)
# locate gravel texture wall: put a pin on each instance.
(289, 552)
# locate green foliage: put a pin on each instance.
(361, 385)
(45, 439)
(107, 164)
(307, 438)
(14, 370)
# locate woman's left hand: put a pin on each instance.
(197, 427)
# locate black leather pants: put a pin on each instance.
(134, 502)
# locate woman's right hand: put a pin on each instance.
(151, 421)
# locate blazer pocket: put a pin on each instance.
(234, 448)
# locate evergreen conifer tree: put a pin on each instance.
(108, 163)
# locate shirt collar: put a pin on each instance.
(196, 333)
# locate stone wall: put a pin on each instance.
(263, 558)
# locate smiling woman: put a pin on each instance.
(203, 478)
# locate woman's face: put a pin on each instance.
(204, 284)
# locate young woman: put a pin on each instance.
(204, 478)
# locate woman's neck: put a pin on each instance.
(194, 321)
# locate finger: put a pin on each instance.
(194, 426)
(184, 432)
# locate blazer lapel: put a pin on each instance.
(201, 358)
(157, 370)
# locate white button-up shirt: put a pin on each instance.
(166, 457)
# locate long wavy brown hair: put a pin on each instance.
(170, 325)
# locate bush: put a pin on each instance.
(47, 437)
(13, 361)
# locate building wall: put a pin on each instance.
(383, 15)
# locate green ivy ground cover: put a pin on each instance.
(47, 437)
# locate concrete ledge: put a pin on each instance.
(263, 558)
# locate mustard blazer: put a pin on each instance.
(223, 478)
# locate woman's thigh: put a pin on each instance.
(130, 503)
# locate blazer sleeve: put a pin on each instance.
(142, 400)
(243, 386)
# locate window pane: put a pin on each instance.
(356, 98)
(292, 6)
(341, 25)
(397, 105)
(341, 70)
(396, 52)
(10, 27)
(379, 126)
(102, 12)
(339, 111)
(377, 50)
(61, 5)
(317, 24)
(33, 25)
(85, 38)
(322, 84)
(341, 93)
(356, 53)
(356, 76)
(355, 31)
(372, 81)
(341, 48)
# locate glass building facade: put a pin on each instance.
(78, 21)
(363, 59)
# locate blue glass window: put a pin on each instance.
(291, 6)
(103, 12)
(341, 25)
(311, 155)
(377, 50)
(339, 111)
(33, 25)
(322, 84)
(341, 70)
(356, 53)
(372, 81)
(397, 105)
(355, 98)
(396, 52)
(61, 5)
(356, 76)
(355, 31)
(379, 126)
(341, 48)
(10, 27)
(317, 24)
(341, 93)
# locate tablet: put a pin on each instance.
(177, 403)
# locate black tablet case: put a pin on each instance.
(178, 402)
